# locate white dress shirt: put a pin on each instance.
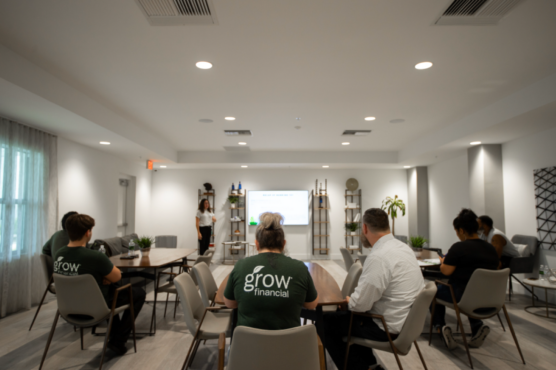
(389, 284)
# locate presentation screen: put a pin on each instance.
(292, 204)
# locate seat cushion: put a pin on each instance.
(216, 323)
(381, 346)
(523, 249)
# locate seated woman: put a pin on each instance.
(462, 259)
(270, 289)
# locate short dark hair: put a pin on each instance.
(376, 220)
(486, 220)
(202, 205)
(65, 218)
(78, 225)
(467, 221)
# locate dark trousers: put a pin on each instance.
(121, 327)
(444, 294)
(206, 232)
(336, 327)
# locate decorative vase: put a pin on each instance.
(354, 233)
(233, 205)
(417, 252)
(234, 192)
(145, 251)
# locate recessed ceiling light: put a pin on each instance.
(204, 65)
(162, 166)
(105, 143)
(325, 166)
(230, 118)
(406, 166)
(243, 166)
(242, 143)
(475, 142)
(370, 118)
(423, 65)
(345, 143)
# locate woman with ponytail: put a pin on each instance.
(270, 289)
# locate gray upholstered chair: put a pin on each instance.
(362, 258)
(348, 258)
(203, 322)
(350, 283)
(411, 329)
(486, 291)
(81, 303)
(255, 349)
(166, 241)
(48, 270)
(524, 264)
(206, 282)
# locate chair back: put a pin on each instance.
(47, 269)
(80, 295)
(486, 289)
(166, 241)
(530, 241)
(255, 349)
(362, 258)
(415, 319)
(352, 279)
(190, 301)
(206, 282)
(348, 258)
(402, 238)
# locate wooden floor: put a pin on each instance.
(21, 349)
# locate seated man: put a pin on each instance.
(76, 259)
(462, 259)
(59, 239)
(504, 247)
(390, 282)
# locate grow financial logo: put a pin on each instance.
(268, 281)
(65, 268)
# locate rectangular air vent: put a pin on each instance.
(178, 12)
(238, 132)
(476, 12)
(237, 148)
(356, 132)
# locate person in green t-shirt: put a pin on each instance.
(77, 259)
(269, 289)
(59, 239)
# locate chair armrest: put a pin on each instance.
(374, 316)
(168, 273)
(187, 266)
(216, 308)
(123, 287)
(221, 350)
(451, 292)
(321, 355)
(117, 291)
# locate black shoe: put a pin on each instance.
(119, 349)
(479, 337)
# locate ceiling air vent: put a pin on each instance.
(178, 12)
(476, 12)
(237, 148)
(238, 132)
(356, 132)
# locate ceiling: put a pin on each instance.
(328, 63)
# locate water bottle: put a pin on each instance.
(239, 186)
(131, 248)
(102, 250)
(233, 187)
(541, 273)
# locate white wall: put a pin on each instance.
(448, 194)
(88, 183)
(174, 201)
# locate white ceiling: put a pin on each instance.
(331, 63)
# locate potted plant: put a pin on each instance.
(233, 200)
(144, 243)
(417, 243)
(393, 205)
(352, 227)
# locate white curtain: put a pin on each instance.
(28, 211)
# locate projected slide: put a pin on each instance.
(293, 205)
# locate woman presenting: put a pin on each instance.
(204, 221)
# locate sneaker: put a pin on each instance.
(119, 349)
(448, 338)
(479, 337)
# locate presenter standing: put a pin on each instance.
(203, 222)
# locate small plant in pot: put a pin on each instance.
(417, 243)
(233, 200)
(144, 243)
(351, 227)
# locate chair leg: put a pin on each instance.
(464, 337)
(420, 355)
(50, 337)
(304, 321)
(39, 308)
(194, 353)
(176, 305)
(106, 340)
(432, 315)
(395, 352)
(501, 323)
(154, 311)
(510, 290)
(81, 331)
(166, 307)
(513, 333)
(132, 318)
(186, 362)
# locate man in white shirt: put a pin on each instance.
(388, 286)
(504, 247)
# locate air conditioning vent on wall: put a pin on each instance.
(178, 12)
(356, 132)
(476, 12)
(238, 132)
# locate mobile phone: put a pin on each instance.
(440, 254)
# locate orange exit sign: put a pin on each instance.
(149, 165)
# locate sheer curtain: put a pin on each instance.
(28, 211)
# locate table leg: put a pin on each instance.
(153, 318)
(319, 323)
(546, 300)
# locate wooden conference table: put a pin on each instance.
(157, 259)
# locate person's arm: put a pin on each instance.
(312, 296)
(373, 282)
(199, 235)
(229, 294)
(498, 242)
(450, 261)
(311, 305)
(47, 248)
(114, 276)
(213, 219)
(230, 303)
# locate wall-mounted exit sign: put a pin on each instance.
(149, 165)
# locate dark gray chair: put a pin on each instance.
(166, 241)
(81, 303)
(401, 238)
(524, 264)
(348, 258)
(48, 270)
(352, 279)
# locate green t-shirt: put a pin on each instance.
(72, 261)
(270, 289)
(58, 240)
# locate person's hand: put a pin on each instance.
(213, 219)
(344, 305)
(200, 236)
(106, 282)
(441, 259)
